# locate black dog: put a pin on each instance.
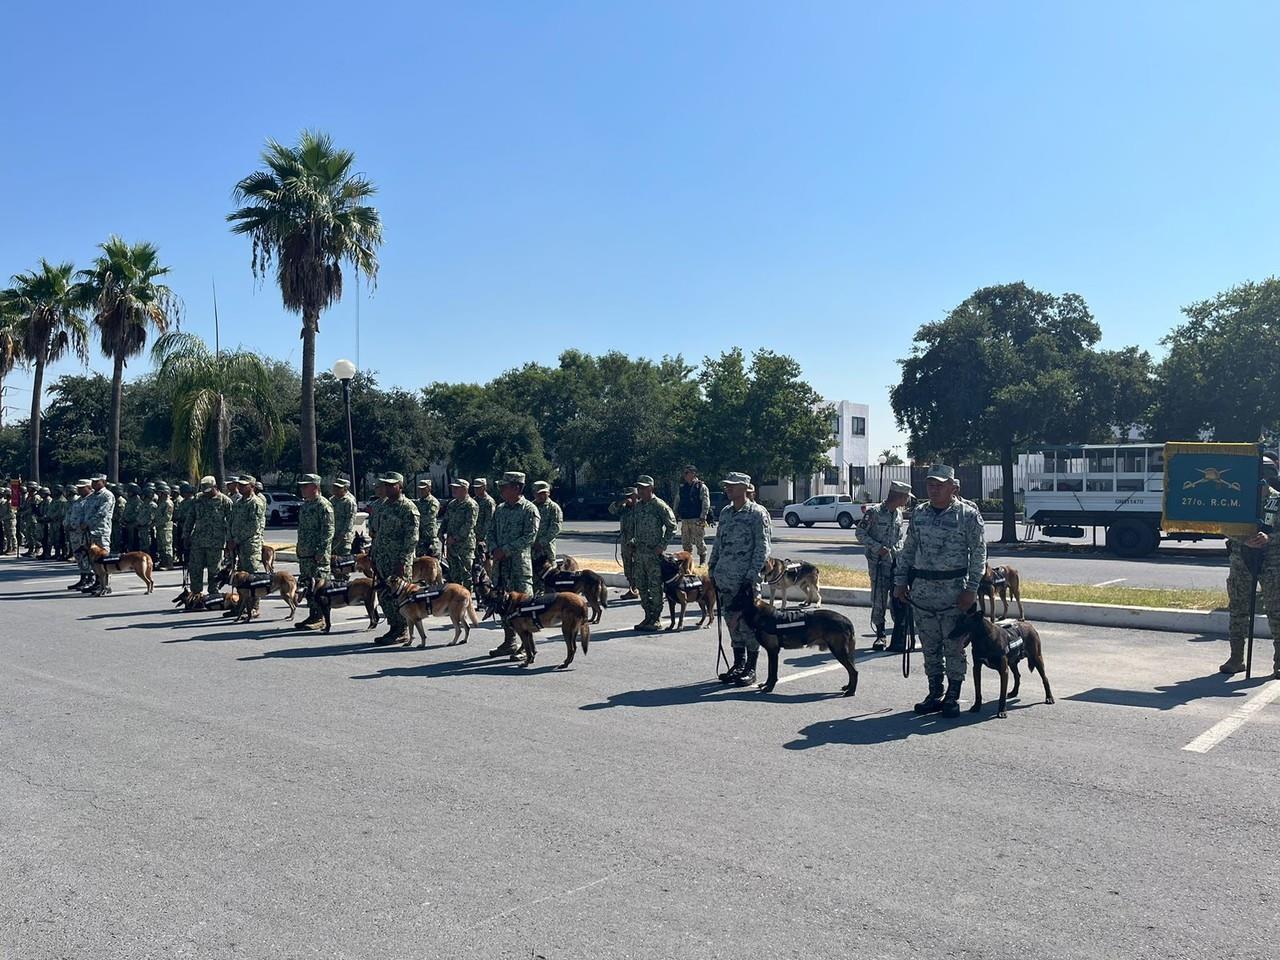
(794, 629)
(1000, 646)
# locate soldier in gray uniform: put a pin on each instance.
(938, 571)
(74, 525)
(882, 531)
(95, 522)
(741, 547)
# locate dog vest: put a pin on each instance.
(427, 594)
(107, 561)
(1012, 631)
(998, 576)
(788, 619)
(691, 584)
(214, 601)
(259, 580)
(565, 584)
(791, 567)
(344, 564)
(336, 595)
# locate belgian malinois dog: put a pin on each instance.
(586, 583)
(563, 563)
(104, 565)
(417, 603)
(682, 586)
(427, 570)
(357, 590)
(782, 575)
(525, 615)
(795, 629)
(248, 588)
(1000, 646)
(1006, 581)
(269, 558)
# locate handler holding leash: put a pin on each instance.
(883, 532)
(939, 568)
(1256, 560)
(741, 547)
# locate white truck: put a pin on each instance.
(823, 508)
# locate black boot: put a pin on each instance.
(79, 584)
(879, 641)
(951, 703)
(739, 658)
(747, 677)
(933, 702)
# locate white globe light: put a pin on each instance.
(882, 459)
(344, 369)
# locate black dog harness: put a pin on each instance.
(999, 576)
(337, 596)
(427, 594)
(1012, 631)
(788, 620)
(789, 568)
(565, 583)
(344, 564)
(531, 609)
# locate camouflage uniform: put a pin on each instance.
(550, 518)
(73, 523)
(181, 510)
(246, 524)
(485, 508)
(653, 524)
(514, 529)
(206, 535)
(164, 509)
(392, 555)
(945, 554)
(56, 513)
(8, 522)
(743, 540)
(344, 523)
(1240, 580)
(129, 518)
(95, 523)
(428, 523)
(881, 529)
(145, 522)
(117, 520)
(460, 537)
(315, 543)
(693, 529)
(626, 514)
(26, 529)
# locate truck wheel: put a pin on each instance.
(792, 520)
(1132, 538)
(845, 520)
(809, 523)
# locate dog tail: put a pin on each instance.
(471, 610)
(584, 635)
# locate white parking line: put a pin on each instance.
(811, 673)
(1229, 725)
(1107, 583)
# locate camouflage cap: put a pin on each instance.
(644, 480)
(512, 476)
(898, 486)
(735, 477)
(309, 478)
(207, 482)
(231, 479)
(941, 472)
(83, 483)
(339, 482)
(628, 491)
(247, 479)
(540, 486)
(424, 484)
(392, 477)
(459, 482)
(98, 476)
(480, 482)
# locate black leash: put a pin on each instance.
(911, 641)
(1252, 559)
(720, 654)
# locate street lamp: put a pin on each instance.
(882, 460)
(345, 370)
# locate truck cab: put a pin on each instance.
(824, 508)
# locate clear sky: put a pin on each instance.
(817, 178)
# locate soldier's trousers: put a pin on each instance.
(693, 536)
(881, 573)
(936, 614)
(544, 551)
(164, 547)
(740, 635)
(312, 570)
(427, 548)
(117, 538)
(628, 552)
(10, 534)
(458, 569)
(143, 540)
(249, 557)
(396, 622)
(1239, 580)
(648, 571)
(201, 560)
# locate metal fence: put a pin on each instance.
(978, 481)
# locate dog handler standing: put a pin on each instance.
(883, 532)
(392, 553)
(315, 541)
(939, 568)
(624, 510)
(743, 536)
(459, 530)
(652, 525)
(693, 504)
(207, 534)
(511, 536)
(1263, 549)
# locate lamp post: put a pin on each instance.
(882, 460)
(345, 370)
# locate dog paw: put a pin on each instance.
(1049, 700)
(1002, 715)
(976, 708)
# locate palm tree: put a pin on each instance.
(49, 309)
(306, 212)
(208, 390)
(10, 347)
(127, 299)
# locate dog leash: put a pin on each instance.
(911, 641)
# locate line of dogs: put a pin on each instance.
(574, 598)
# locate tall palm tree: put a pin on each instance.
(306, 212)
(49, 322)
(208, 389)
(10, 347)
(122, 285)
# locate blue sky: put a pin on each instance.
(817, 178)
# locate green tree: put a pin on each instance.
(207, 391)
(307, 214)
(48, 308)
(1218, 378)
(10, 347)
(75, 423)
(1011, 366)
(891, 459)
(128, 299)
(489, 440)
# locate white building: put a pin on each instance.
(849, 456)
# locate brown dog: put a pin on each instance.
(1000, 646)
(427, 570)
(586, 583)
(525, 615)
(782, 575)
(1006, 581)
(416, 604)
(247, 590)
(269, 558)
(357, 590)
(681, 585)
(104, 565)
(797, 628)
(562, 564)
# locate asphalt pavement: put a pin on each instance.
(177, 786)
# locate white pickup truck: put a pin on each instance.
(824, 508)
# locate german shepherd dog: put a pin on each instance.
(586, 583)
(525, 615)
(416, 603)
(795, 629)
(1000, 646)
(681, 585)
(782, 575)
(104, 565)
(269, 558)
(427, 570)
(248, 588)
(357, 590)
(1006, 581)
(563, 564)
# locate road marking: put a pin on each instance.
(811, 673)
(534, 903)
(1238, 718)
(1107, 583)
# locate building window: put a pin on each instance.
(835, 424)
(859, 425)
(831, 477)
(857, 475)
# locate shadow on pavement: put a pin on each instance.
(472, 666)
(878, 727)
(329, 650)
(1172, 695)
(704, 691)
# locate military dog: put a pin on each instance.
(586, 583)
(104, 565)
(269, 558)
(680, 585)
(1006, 581)
(525, 615)
(782, 575)
(794, 629)
(248, 588)
(563, 563)
(427, 570)
(416, 603)
(1000, 646)
(357, 590)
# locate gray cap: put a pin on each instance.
(628, 491)
(83, 483)
(207, 482)
(942, 472)
(392, 477)
(736, 477)
(339, 482)
(424, 484)
(512, 476)
(540, 485)
(98, 476)
(644, 480)
(459, 482)
(897, 486)
(307, 478)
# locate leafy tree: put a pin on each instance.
(307, 213)
(1218, 378)
(10, 347)
(48, 319)
(127, 299)
(1010, 366)
(490, 439)
(891, 459)
(75, 425)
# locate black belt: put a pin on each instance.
(941, 574)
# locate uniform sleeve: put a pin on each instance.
(975, 535)
(715, 545)
(764, 543)
(669, 525)
(328, 524)
(555, 519)
(529, 531)
(907, 558)
(871, 531)
(410, 533)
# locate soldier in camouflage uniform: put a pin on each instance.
(95, 525)
(1261, 552)
(57, 510)
(345, 509)
(392, 552)
(206, 534)
(428, 520)
(744, 536)
(511, 536)
(485, 508)
(315, 543)
(882, 531)
(550, 518)
(117, 518)
(460, 534)
(164, 526)
(939, 568)
(26, 519)
(129, 517)
(73, 525)
(652, 524)
(144, 520)
(624, 510)
(181, 511)
(8, 521)
(246, 525)
(67, 528)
